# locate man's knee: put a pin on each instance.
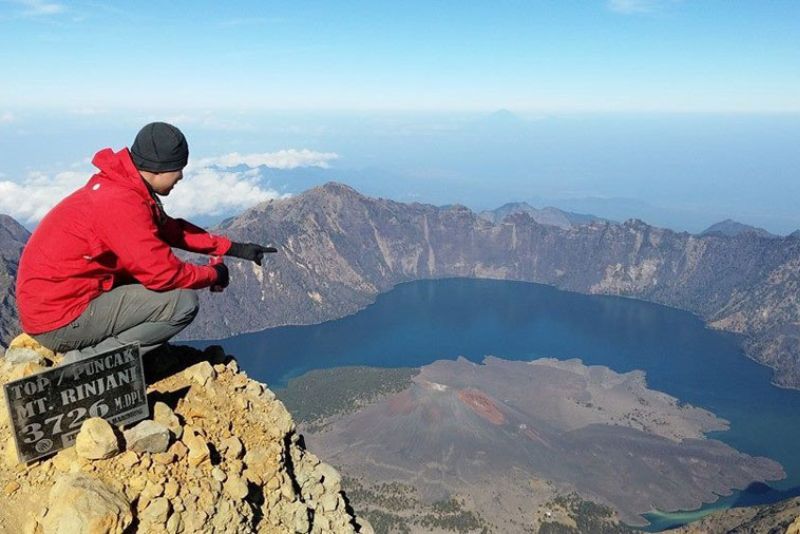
(187, 306)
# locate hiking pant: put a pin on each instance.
(124, 315)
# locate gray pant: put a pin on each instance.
(124, 315)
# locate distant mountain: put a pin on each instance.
(731, 228)
(551, 216)
(13, 237)
(340, 249)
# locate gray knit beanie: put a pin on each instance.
(160, 147)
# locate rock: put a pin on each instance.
(232, 448)
(164, 458)
(163, 414)
(201, 373)
(218, 474)
(179, 449)
(329, 502)
(235, 487)
(82, 504)
(96, 440)
(301, 523)
(175, 523)
(27, 342)
(147, 436)
(198, 448)
(23, 355)
(156, 512)
(366, 526)
(25, 369)
(171, 489)
(10, 457)
(11, 487)
(65, 459)
(330, 477)
(128, 459)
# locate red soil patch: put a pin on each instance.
(482, 405)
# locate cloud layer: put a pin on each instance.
(211, 186)
(282, 159)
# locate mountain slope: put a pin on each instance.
(12, 238)
(339, 249)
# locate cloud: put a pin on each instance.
(210, 187)
(6, 118)
(210, 191)
(30, 201)
(632, 7)
(283, 159)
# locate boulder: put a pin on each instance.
(147, 436)
(201, 373)
(17, 355)
(232, 448)
(163, 414)
(80, 504)
(96, 440)
(25, 341)
(198, 448)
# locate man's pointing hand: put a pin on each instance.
(249, 251)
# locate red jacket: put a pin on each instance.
(103, 235)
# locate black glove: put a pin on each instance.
(223, 279)
(249, 251)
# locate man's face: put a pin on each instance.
(163, 182)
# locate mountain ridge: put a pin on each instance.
(340, 249)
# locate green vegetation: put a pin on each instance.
(588, 517)
(324, 393)
(394, 507)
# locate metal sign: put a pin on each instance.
(48, 409)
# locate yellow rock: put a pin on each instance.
(10, 453)
(11, 487)
(27, 342)
(794, 528)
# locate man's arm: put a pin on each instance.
(129, 231)
(184, 235)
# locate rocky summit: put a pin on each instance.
(221, 455)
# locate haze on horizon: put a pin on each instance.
(678, 112)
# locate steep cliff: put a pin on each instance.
(220, 455)
(339, 249)
(12, 238)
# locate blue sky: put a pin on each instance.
(567, 55)
(681, 112)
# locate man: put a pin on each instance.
(99, 272)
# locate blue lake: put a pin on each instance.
(419, 322)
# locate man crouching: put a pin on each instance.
(99, 272)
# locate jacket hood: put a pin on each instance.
(118, 168)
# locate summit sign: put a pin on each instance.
(48, 409)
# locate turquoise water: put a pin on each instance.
(419, 322)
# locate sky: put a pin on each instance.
(680, 112)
